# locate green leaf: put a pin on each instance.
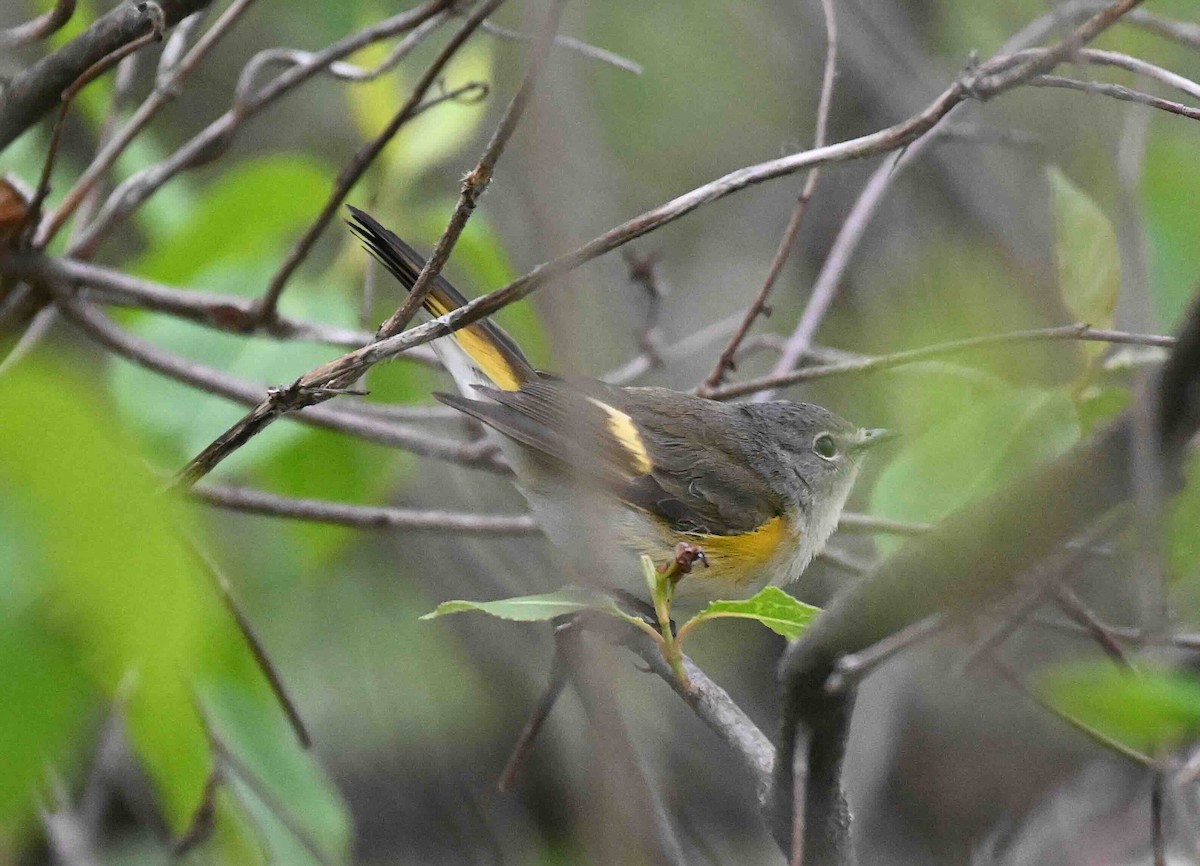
(996, 439)
(248, 213)
(772, 607)
(177, 421)
(434, 136)
(118, 608)
(1086, 255)
(535, 608)
(1151, 711)
(1169, 195)
(291, 778)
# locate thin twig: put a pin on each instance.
(851, 669)
(1073, 606)
(476, 181)
(165, 90)
(101, 329)
(1136, 65)
(257, 649)
(603, 55)
(883, 362)
(214, 138)
(37, 90)
(1116, 91)
(842, 250)
(41, 27)
(157, 21)
(365, 156)
(223, 312)
(320, 384)
(260, 502)
(1158, 838)
(759, 305)
(523, 748)
(1012, 678)
(852, 522)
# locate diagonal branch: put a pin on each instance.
(325, 382)
(36, 90)
(367, 154)
(477, 180)
(758, 307)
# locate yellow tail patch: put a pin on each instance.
(475, 341)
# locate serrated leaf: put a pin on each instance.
(996, 439)
(772, 607)
(1150, 711)
(1086, 256)
(534, 608)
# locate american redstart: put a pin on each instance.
(612, 473)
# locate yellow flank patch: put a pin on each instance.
(476, 342)
(739, 556)
(626, 433)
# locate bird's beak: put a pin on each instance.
(875, 436)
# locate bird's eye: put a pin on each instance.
(825, 447)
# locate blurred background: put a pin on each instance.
(119, 666)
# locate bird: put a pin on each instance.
(614, 473)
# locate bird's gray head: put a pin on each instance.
(810, 456)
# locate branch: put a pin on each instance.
(37, 90)
(844, 245)
(166, 88)
(477, 180)
(100, 328)
(211, 141)
(711, 703)
(321, 384)
(1117, 91)
(367, 154)
(863, 365)
(759, 305)
(977, 553)
(41, 27)
(250, 501)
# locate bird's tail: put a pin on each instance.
(480, 353)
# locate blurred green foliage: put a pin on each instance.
(103, 605)
(111, 609)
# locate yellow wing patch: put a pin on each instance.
(625, 432)
(476, 343)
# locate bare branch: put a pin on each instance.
(362, 159)
(476, 182)
(39, 28)
(214, 138)
(361, 516)
(166, 88)
(759, 305)
(318, 385)
(882, 362)
(570, 43)
(101, 329)
(1117, 91)
(38, 89)
(708, 701)
(157, 21)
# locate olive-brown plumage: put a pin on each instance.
(758, 486)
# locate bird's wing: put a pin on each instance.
(669, 454)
